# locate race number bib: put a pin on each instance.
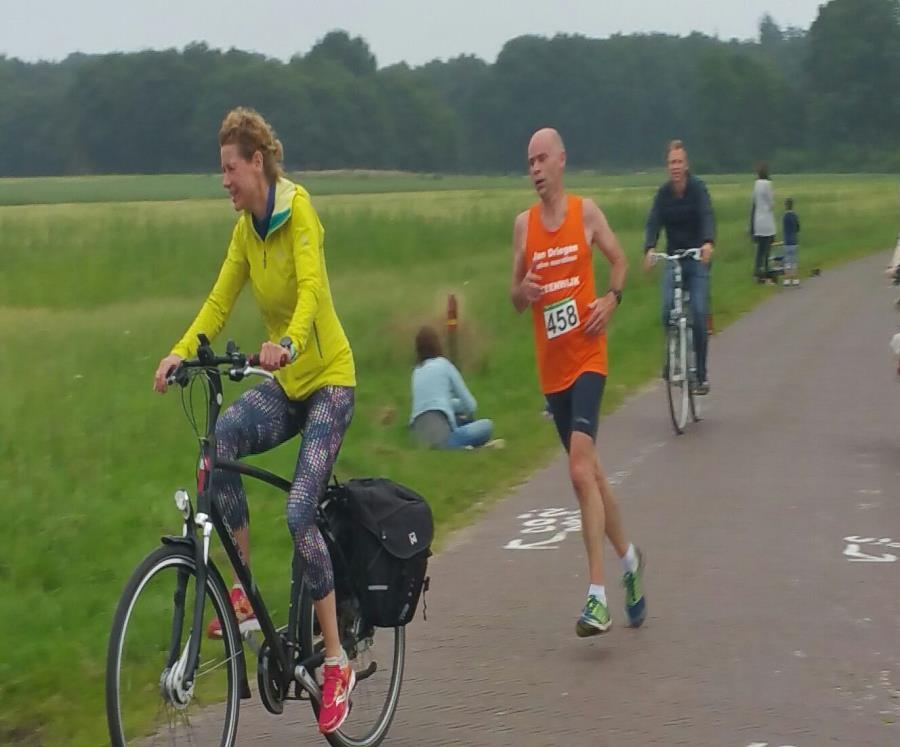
(560, 318)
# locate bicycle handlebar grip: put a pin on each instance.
(177, 375)
(253, 360)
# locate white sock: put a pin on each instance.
(630, 560)
(599, 591)
(340, 661)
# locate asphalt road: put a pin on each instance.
(768, 622)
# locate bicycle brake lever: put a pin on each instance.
(177, 375)
(257, 372)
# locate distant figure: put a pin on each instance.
(762, 223)
(791, 232)
(443, 408)
(893, 272)
(895, 346)
(893, 269)
(683, 208)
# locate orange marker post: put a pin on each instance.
(452, 323)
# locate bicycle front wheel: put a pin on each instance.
(377, 656)
(145, 699)
(677, 383)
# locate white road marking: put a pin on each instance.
(560, 522)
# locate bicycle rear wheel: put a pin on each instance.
(377, 656)
(677, 384)
(150, 632)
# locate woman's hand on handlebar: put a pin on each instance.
(272, 356)
(166, 366)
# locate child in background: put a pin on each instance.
(791, 231)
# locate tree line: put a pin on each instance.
(823, 98)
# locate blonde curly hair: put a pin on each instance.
(246, 128)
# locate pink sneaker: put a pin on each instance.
(246, 618)
(339, 683)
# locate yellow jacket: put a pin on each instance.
(290, 283)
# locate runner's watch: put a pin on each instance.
(617, 294)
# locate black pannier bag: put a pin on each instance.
(387, 543)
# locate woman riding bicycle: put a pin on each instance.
(278, 244)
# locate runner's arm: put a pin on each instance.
(602, 237)
(605, 240)
(520, 271)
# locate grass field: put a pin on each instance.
(168, 187)
(92, 295)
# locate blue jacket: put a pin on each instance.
(791, 225)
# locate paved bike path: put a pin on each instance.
(766, 626)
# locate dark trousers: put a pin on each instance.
(763, 246)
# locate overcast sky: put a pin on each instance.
(414, 31)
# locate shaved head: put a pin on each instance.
(548, 140)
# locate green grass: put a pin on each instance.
(165, 187)
(169, 187)
(92, 295)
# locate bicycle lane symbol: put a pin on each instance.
(559, 523)
(854, 554)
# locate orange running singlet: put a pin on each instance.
(564, 262)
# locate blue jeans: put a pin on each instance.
(476, 433)
(695, 280)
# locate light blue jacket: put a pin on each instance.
(438, 385)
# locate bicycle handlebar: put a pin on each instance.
(693, 253)
(240, 364)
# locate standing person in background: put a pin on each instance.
(791, 233)
(762, 222)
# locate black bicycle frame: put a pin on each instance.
(206, 506)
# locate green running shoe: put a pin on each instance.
(635, 604)
(594, 619)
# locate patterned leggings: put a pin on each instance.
(259, 420)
